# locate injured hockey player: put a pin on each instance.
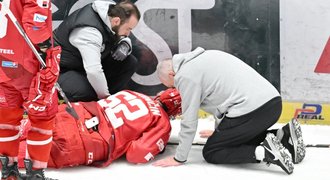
(126, 123)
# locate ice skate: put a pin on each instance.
(34, 174)
(276, 153)
(9, 172)
(290, 136)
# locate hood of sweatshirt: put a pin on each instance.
(101, 7)
(180, 59)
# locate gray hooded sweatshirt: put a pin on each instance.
(219, 83)
(89, 42)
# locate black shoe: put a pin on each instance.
(9, 172)
(34, 174)
(276, 153)
(290, 136)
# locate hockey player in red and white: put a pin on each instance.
(127, 122)
(24, 84)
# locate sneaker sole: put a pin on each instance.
(283, 156)
(297, 140)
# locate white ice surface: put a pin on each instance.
(316, 165)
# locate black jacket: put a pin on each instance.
(84, 17)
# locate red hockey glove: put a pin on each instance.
(49, 75)
(42, 100)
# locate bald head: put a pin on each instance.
(165, 72)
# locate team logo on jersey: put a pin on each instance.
(90, 157)
(9, 64)
(39, 18)
(43, 3)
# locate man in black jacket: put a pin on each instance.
(96, 59)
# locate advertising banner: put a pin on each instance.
(305, 50)
(306, 113)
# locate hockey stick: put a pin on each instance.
(318, 145)
(11, 16)
(307, 145)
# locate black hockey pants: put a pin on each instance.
(235, 139)
(118, 73)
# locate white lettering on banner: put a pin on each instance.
(157, 44)
(3, 18)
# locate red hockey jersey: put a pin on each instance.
(140, 126)
(16, 58)
(129, 123)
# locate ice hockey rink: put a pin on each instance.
(315, 165)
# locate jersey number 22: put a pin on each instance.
(115, 106)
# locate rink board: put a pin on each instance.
(306, 113)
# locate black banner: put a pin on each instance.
(248, 29)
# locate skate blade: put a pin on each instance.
(298, 142)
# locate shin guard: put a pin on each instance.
(9, 131)
(39, 142)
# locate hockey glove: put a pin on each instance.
(42, 100)
(123, 50)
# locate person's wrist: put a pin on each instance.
(126, 47)
(43, 46)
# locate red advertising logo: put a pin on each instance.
(323, 66)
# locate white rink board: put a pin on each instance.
(304, 31)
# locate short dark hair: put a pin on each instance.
(124, 10)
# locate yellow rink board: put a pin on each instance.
(306, 113)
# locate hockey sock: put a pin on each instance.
(260, 153)
(9, 132)
(39, 142)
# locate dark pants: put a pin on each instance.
(235, 139)
(118, 73)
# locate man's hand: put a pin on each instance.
(166, 162)
(123, 50)
(205, 133)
